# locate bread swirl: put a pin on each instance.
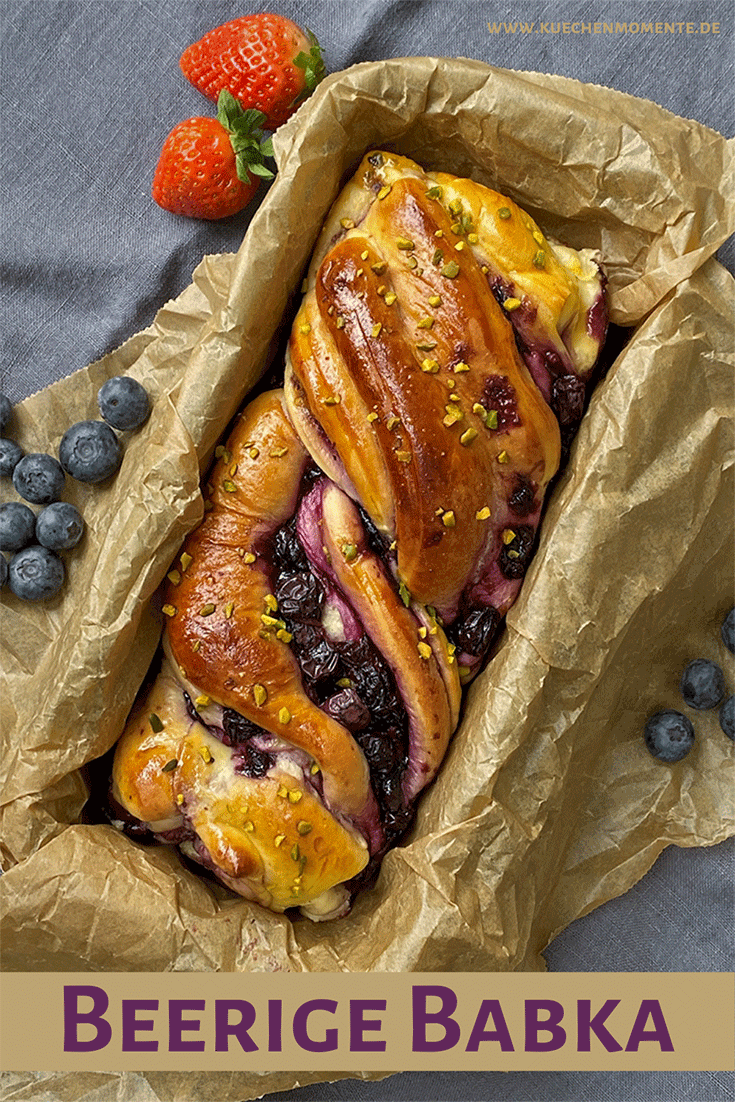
(367, 529)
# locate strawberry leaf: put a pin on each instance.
(249, 143)
(313, 66)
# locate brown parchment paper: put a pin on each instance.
(548, 804)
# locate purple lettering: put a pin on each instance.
(649, 1008)
(549, 1025)
(177, 1025)
(131, 1025)
(490, 1008)
(359, 1024)
(442, 1017)
(586, 1025)
(275, 1024)
(300, 1018)
(73, 1016)
(224, 1028)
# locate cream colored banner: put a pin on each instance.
(366, 1021)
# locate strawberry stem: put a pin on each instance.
(249, 142)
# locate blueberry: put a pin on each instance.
(90, 452)
(59, 526)
(727, 717)
(123, 402)
(669, 736)
(3, 570)
(36, 573)
(5, 410)
(728, 630)
(702, 684)
(17, 525)
(38, 478)
(10, 456)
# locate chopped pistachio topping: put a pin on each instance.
(260, 694)
(314, 768)
(294, 795)
(202, 700)
(284, 716)
(233, 469)
(460, 367)
(434, 192)
(503, 457)
(180, 798)
(437, 258)
(453, 414)
(207, 610)
(249, 826)
(229, 486)
(295, 852)
(304, 827)
(422, 633)
(249, 556)
(479, 409)
(174, 577)
(448, 519)
(376, 329)
(491, 421)
(185, 560)
(271, 621)
(430, 366)
(504, 213)
(508, 536)
(482, 514)
(467, 437)
(438, 233)
(451, 269)
(384, 191)
(538, 237)
(404, 243)
(426, 346)
(459, 246)
(435, 300)
(426, 323)
(372, 417)
(229, 609)
(196, 645)
(451, 384)
(344, 682)
(364, 255)
(456, 227)
(455, 397)
(332, 400)
(404, 594)
(393, 422)
(403, 457)
(349, 551)
(347, 223)
(254, 453)
(283, 635)
(169, 766)
(455, 206)
(155, 722)
(390, 298)
(169, 610)
(472, 238)
(463, 670)
(424, 649)
(514, 554)
(340, 323)
(282, 791)
(539, 259)
(270, 602)
(378, 267)
(412, 262)
(511, 304)
(278, 840)
(305, 328)
(219, 451)
(277, 453)
(206, 755)
(381, 289)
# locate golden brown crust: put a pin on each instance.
(393, 350)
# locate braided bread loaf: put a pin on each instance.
(369, 526)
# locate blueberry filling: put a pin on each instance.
(516, 555)
(499, 395)
(473, 633)
(522, 501)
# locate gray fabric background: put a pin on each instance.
(90, 88)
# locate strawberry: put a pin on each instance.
(209, 168)
(265, 61)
